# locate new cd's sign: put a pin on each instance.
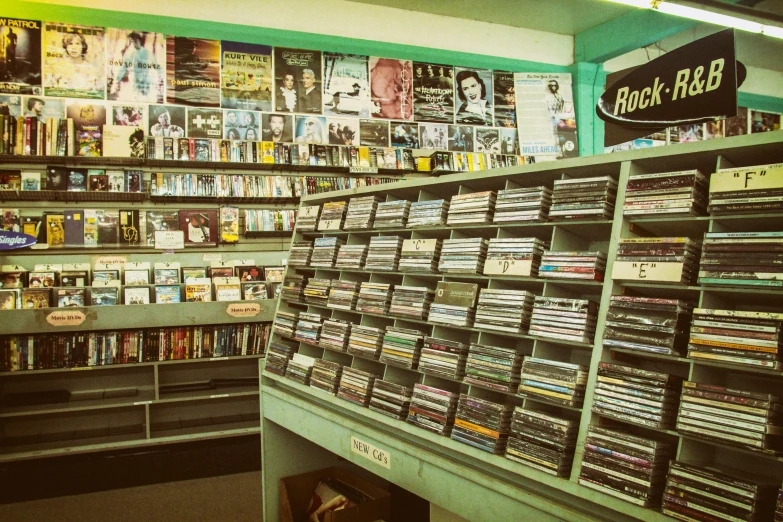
(695, 83)
(14, 240)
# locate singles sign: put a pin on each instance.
(14, 240)
(693, 84)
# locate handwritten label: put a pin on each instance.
(108, 261)
(65, 318)
(329, 224)
(219, 396)
(508, 267)
(370, 452)
(419, 245)
(243, 309)
(79, 368)
(309, 211)
(142, 403)
(644, 271)
(363, 170)
(169, 240)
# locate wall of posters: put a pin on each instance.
(135, 66)
(346, 85)
(391, 88)
(20, 56)
(433, 92)
(74, 61)
(545, 115)
(298, 80)
(246, 76)
(474, 96)
(193, 71)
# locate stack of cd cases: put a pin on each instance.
(392, 214)
(625, 465)
(563, 318)
(299, 369)
(335, 334)
(411, 301)
(308, 327)
(361, 213)
(669, 193)
(647, 324)
(443, 357)
(746, 259)
(695, 492)
(589, 266)
(332, 216)
(356, 385)
(432, 409)
(504, 310)
(402, 347)
(542, 441)
(300, 253)
(514, 256)
(523, 204)
(307, 218)
(553, 381)
(463, 256)
(586, 198)
(637, 396)
(420, 255)
(285, 323)
(390, 399)
(277, 357)
(351, 257)
(454, 304)
(383, 253)
(326, 375)
(493, 367)
(293, 288)
(374, 298)
(731, 416)
(661, 259)
(482, 424)
(365, 341)
(325, 251)
(738, 337)
(431, 213)
(317, 291)
(343, 295)
(475, 208)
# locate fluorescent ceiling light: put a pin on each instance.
(702, 15)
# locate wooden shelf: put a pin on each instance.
(224, 200)
(70, 196)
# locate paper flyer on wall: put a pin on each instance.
(74, 61)
(135, 66)
(346, 85)
(20, 56)
(246, 76)
(193, 71)
(546, 120)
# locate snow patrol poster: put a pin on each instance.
(246, 76)
(474, 96)
(405, 134)
(391, 88)
(205, 123)
(135, 66)
(193, 71)
(343, 131)
(346, 85)
(277, 128)
(505, 104)
(374, 133)
(433, 92)
(74, 61)
(168, 121)
(488, 141)
(460, 138)
(241, 125)
(545, 115)
(297, 80)
(20, 56)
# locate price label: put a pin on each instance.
(111, 262)
(512, 267)
(652, 272)
(142, 403)
(243, 309)
(370, 452)
(419, 245)
(65, 318)
(169, 240)
(219, 396)
(363, 170)
(329, 224)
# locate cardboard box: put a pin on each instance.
(296, 492)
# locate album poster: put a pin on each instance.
(343, 131)
(74, 61)
(391, 88)
(474, 96)
(43, 108)
(460, 138)
(123, 141)
(297, 80)
(277, 128)
(136, 66)
(10, 105)
(246, 76)
(764, 121)
(131, 115)
(433, 136)
(311, 129)
(713, 129)
(168, 121)
(545, 115)
(193, 71)
(509, 141)
(205, 123)
(241, 125)
(346, 85)
(488, 140)
(374, 133)
(738, 125)
(200, 227)
(433, 92)
(505, 101)
(690, 133)
(405, 134)
(88, 120)
(20, 56)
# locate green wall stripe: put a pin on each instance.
(760, 102)
(263, 35)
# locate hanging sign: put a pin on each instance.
(14, 240)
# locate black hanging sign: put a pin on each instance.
(695, 83)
